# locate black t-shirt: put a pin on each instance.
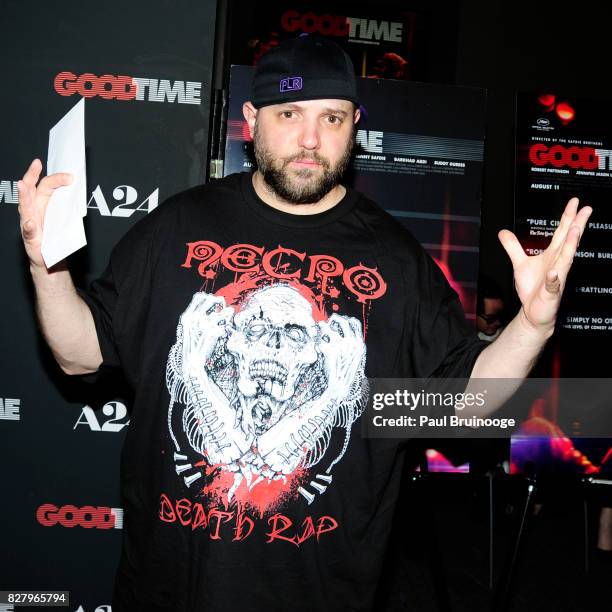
(248, 335)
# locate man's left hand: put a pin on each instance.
(540, 279)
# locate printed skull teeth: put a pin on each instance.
(269, 371)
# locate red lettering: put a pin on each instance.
(89, 85)
(241, 521)
(88, 517)
(63, 83)
(194, 514)
(44, 515)
(205, 251)
(166, 511)
(308, 531)
(103, 517)
(535, 154)
(280, 268)
(324, 267)
(105, 86)
(325, 524)
(559, 156)
(91, 517)
(275, 534)
(199, 518)
(67, 516)
(365, 283)
(183, 511)
(125, 88)
(586, 158)
(242, 258)
(309, 23)
(290, 21)
(283, 263)
(222, 517)
(327, 25)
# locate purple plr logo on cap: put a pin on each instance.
(291, 84)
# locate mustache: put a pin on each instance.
(304, 157)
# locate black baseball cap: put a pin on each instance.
(304, 68)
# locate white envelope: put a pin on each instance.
(63, 231)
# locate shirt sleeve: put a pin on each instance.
(119, 300)
(101, 297)
(444, 344)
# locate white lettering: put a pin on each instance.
(370, 140)
(8, 192)
(168, 92)
(9, 409)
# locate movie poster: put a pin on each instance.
(383, 42)
(564, 149)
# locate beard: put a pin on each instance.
(302, 185)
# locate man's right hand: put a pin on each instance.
(33, 201)
(65, 319)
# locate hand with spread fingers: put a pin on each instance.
(540, 279)
(33, 200)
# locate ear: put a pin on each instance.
(357, 116)
(250, 114)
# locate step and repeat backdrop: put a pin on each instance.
(145, 73)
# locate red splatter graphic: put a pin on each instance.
(262, 497)
(237, 293)
(268, 496)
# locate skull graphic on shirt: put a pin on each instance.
(263, 384)
(273, 344)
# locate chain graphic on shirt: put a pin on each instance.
(260, 384)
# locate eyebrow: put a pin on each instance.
(327, 109)
(337, 111)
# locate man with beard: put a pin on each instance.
(248, 314)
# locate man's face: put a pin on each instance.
(303, 148)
